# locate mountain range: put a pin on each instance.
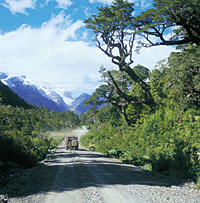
(46, 95)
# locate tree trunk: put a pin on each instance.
(148, 97)
(123, 110)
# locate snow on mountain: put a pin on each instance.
(78, 105)
(48, 92)
(67, 96)
(3, 75)
(12, 80)
(47, 95)
(32, 94)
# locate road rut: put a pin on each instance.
(86, 176)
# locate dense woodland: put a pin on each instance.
(153, 117)
(23, 131)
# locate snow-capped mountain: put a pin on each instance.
(3, 75)
(47, 91)
(33, 94)
(46, 95)
(67, 96)
(78, 105)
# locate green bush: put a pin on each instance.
(22, 133)
(10, 150)
(165, 141)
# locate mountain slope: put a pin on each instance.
(68, 97)
(47, 91)
(11, 98)
(32, 94)
(58, 100)
(78, 105)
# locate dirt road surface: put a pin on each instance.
(84, 176)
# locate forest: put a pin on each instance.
(152, 117)
(24, 131)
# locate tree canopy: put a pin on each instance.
(171, 22)
(115, 37)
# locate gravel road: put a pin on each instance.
(85, 176)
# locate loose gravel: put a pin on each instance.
(86, 176)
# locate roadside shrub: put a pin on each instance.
(185, 159)
(115, 153)
(92, 148)
(166, 142)
(162, 162)
(22, 133)
(10, 150)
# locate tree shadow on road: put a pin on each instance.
(70, 170)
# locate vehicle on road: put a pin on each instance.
(72, 142)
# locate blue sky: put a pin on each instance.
(46, 40)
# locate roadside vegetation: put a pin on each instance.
(153, 117)
(25, 136)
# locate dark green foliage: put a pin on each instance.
(183, 75)
(92, 148)
(167, 140)
(23, 138)
(114, 34)
(108, 114)
(115, 153)
(180, 18)
(160, 142)
(8, 97)
(13, 150)
(126, 96)
(185, 159)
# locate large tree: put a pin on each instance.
(120, 91)
(115, 37)
(115, 91)
(172, 22)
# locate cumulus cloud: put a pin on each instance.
(53, 53)
(150, 56)
(64, 3)
(19, 6)
(57, 53)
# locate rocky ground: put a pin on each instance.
(87, 176)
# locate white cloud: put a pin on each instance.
(56, 53)
(150, 56)
(101, 1)
(86, 11)
(64, 3)
(145, 4)
(53, 53)
(110, 1)
(19, 6)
